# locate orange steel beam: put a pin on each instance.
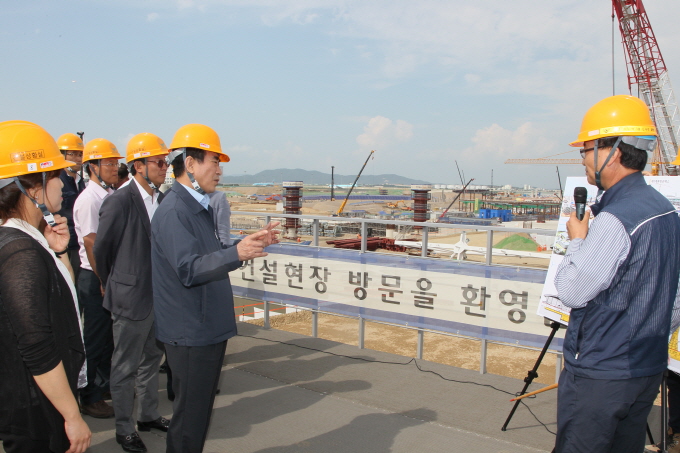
(544, 161)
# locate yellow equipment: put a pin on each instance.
(344, 202)
(100, 148)
(70, 142)
(27, 148)
(616, 116)
(145, 145)
(198, 136)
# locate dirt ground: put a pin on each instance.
(459, 352)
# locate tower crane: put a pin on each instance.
(647, 69)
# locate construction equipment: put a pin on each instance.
(395, 205)
(454, 200)
(344, 202)
(646, 69)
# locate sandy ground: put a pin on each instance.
(459, 352)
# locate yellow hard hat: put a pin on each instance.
(100, 148)
(198, 136)
(145, 145)
(70, 142)
(615, 116)
(27, 148)
(677, 159)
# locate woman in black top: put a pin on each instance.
(41, 347)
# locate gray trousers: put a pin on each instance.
(134, 365)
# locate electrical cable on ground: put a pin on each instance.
(415, 362)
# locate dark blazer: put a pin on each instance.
(193, 301)
(122, 252)
(69, 193)
(38, 329)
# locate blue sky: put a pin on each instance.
(314, 83)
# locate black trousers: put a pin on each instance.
(673, 383)
(97, 335)
(13, 443)
(195, 374)
(603, 415)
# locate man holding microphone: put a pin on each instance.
(620, 278)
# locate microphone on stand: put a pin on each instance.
(580, 198)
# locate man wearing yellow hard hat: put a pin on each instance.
(619, 276)
(123, 255)
(100, 157)
(71, 146)
(193, 300)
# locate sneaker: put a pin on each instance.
(100, 409)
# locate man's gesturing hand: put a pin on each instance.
(272, 234)
(252, 246)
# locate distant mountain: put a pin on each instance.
(316, 177)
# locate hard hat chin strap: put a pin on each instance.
(598, 173)
(194, 183)
(47, 215)
(146, 176)
(101, 182)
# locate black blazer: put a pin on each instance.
(122, 251)
(38, 329)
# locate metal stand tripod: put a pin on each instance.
(533, 373)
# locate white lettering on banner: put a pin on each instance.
(408, 295)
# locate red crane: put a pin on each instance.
(647, 69)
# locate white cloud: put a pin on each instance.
(495, 143)
(381, 131)
(152, 17)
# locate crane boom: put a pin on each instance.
(344, 202)
(543, 161)
(646, 69)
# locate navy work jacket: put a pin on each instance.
(193, 301)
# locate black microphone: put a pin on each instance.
(580, 198)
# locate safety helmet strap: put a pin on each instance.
(101, 182)
(598, 173)
(47, 215)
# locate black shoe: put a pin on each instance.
(131, 442)
(162, 424)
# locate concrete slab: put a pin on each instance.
(285, 393)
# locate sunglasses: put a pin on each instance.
(160, 163)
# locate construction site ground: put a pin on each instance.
(282, 392)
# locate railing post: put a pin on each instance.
(266, 314)
(558, 366)
(315, 232)
(482, 360)
(315, 324)
(362, 327)
(421, 339)
(364, 232)
(267, 219)
(489, 246)
(423, 251)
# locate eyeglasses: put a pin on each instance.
(583, 152)
(161, 163)
(109, 164)
(75, 154)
